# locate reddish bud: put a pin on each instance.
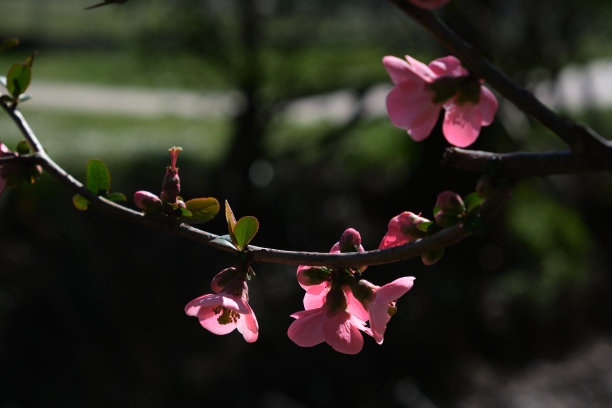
(146, 201)
(171, 186)
(350, 241)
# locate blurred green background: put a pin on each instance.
(91, 308)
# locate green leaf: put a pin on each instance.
(424, 226)
(224, 240)
(98, 177)
(8, 43)
(117, 197)
(183, 212)
(80, 202)
(202, 209)
(472, 202)
(244, 231)
(18, 79)
(231, 221)
(23, 147)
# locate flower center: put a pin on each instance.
(226, 316)
(392, 309)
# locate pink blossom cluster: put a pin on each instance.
(421, 91)
(338, 304)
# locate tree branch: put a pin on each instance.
(521, 164)
(445, 237)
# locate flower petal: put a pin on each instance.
(399, 70)
(220, 299)
(422, 70)
(315, 296)
(487, 105)
(209, 320)
(449, 65)
(379, 306)
(248, 327)
(341, 334)
(410, 107)
(307, 330)
(462, 124)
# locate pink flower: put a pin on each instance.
(147, 201)
(421, 91)
(429, 4)
(316, 280)
(403, 228)
(228, 309)
(380, 305)
(331, 323)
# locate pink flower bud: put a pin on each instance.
(171, 186)
(350, 241)
(147, 201)
(451, 203)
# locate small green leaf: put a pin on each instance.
(80, 202)
(98, 177)
(23, 147)
(184, 212)
(202, 209)
(224, 240)
(436, 210)
(117, 197)
(244, 231)
(472, 202)
(8, 43)
(18, 79)
(424, 226)
(229, 216)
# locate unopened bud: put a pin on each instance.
(350, 241)
(147, 202)
(171, 186)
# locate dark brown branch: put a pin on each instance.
(440, 239)
(580, 139)
(521, 164)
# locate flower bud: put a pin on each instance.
(350, 241)
(223, 278)
(171, 186)
(146, 201)
(451, 209)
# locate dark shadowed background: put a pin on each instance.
(91, 308)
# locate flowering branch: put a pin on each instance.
(440, 239)
(580, 139)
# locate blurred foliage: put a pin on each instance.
(75, 331)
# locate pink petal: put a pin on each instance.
(355, 307)
(411, 108)
(462, 124)
(307, 330)
(209, 320)
(315, 296)
(449, 65)
(219, 299)
(394, 290)
(341, 334)
(248, 327)
(487, 105)
(379, 307)
(423, 71)
(399, 70)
